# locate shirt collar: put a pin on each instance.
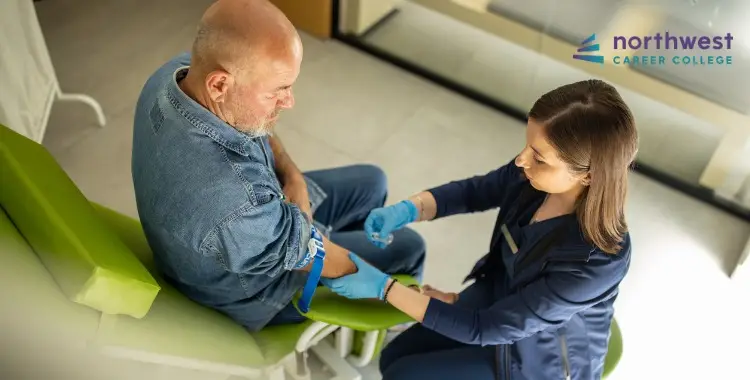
(205, 120)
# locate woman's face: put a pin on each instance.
(542, 166)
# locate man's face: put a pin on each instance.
(251, 100)
(256, 101)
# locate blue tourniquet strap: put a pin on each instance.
(317, 251)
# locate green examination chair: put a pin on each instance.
(614, 352)
(92, 269)
(357, 327)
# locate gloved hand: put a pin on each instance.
(367, 282)
(383, 221)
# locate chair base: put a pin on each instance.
(328, 355)
(336, 358)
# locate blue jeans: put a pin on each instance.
(352, 192)
(420, 353)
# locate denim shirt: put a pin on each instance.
(212, 207)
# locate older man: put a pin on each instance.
(225, 209)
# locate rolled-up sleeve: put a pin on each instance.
(263, 239)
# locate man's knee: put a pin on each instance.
(408, 253)
(409, 242)
(374, 180)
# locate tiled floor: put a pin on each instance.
(680, 314)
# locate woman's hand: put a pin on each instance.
(366, 282)
(442, 296)
(383, 221)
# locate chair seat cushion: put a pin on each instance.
(86, 259)
(359, 315)
(178, 330)
(277, 342)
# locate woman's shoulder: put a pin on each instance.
(575, 241)
(623, 253)
(586, 266)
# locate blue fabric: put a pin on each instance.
(383, 221)
(367, 282)
(317, 251)
(214, 212)
(566, 296)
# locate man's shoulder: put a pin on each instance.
(160, 77)
(165, 71)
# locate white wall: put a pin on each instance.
(359, 15)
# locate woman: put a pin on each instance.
(542, 301)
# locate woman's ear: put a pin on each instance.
(586, 179)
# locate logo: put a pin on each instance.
(709, 50)
(587, 47)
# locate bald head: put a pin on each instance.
(245, 59)
(239, 35)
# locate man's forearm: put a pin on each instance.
(291, 178)
(286, 169)
(337, 262)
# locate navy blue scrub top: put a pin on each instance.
(525, 299)
(527, 235)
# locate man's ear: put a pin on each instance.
(218, 84)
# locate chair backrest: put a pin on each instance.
(177, 328)
(88, 261)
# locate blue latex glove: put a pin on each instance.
(383, 221)
(367, 282)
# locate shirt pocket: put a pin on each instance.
(266, 193)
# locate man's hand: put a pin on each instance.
(442, 296)
(295, 189)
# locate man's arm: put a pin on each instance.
(291, 178)
(337, 261)
(285, 168)
(268, 238)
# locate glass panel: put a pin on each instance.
(572, 21)
(512, 51)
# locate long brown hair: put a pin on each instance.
(594, 132)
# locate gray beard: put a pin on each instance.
(255, 132)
